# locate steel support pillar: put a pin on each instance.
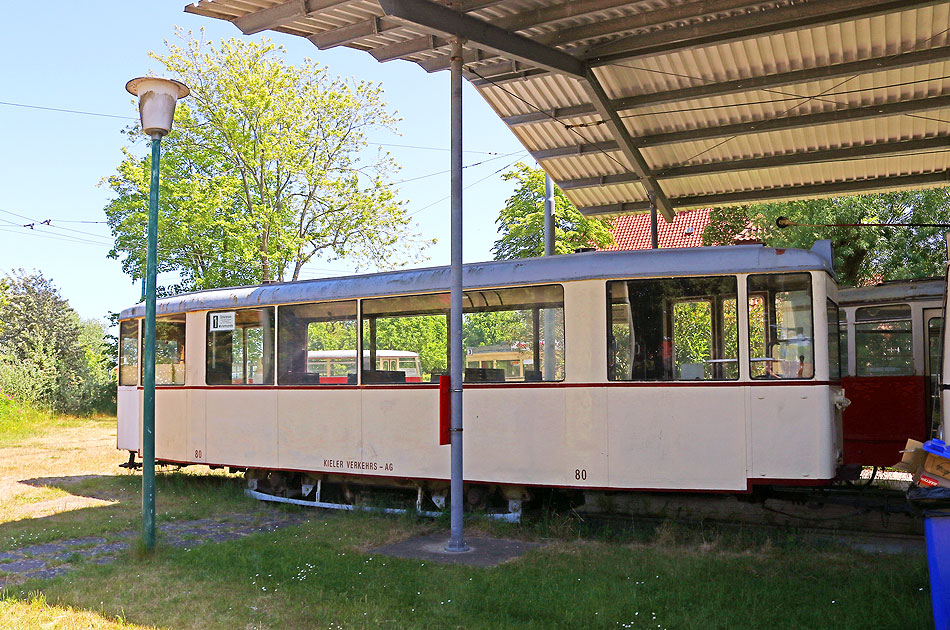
(549, 360)
(456, 354)
(148, 411)
(653, 226)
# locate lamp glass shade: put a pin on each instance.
(157, 98)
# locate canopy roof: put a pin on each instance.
(694, 103)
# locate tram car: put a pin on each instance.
(701, 369)
(891, 346)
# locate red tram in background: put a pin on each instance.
(891, 348)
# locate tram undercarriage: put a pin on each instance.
(387, 495)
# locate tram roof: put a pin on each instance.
(697, 103)
(693, 261)
(894, 291)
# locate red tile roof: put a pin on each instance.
(632, 231)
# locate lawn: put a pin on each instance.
(325, 574)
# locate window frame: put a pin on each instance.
(273, 347)
(718, 342)
(770, 307)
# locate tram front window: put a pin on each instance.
(169, 350)
(672, 329)
(240, 347)
(781, 330)
(129, 352)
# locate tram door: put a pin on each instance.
(933, 325)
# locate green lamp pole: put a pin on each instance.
(157, 98)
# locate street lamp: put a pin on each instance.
(157, 98)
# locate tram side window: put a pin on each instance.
(843, 343)
(834, 342)
(317, 343)
(672, 329)
(240, 347)
(514, 335)
(129, 352)
(781, 330)
(883, 341)
(405, 339)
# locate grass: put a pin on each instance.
(19, 422)
(324, 573)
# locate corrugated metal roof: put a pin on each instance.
(727, 101)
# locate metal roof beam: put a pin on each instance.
(738, 86)
(516, 22)
(773, 161)
(376, 25)
(434, 17)
(575, 150)
(281, 14)
(798, 122)
(860, 186)
(809, 157)
(627, 145)
(600, 28)
(767, 21)
(770, 21)
(756, 126)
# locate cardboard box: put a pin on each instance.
(928, 469)
(913, 458)
(937, 466)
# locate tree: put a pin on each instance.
(862, 255)
(267, 169)
(48, 357)
(521, 221)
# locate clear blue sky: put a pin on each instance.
(79, 55)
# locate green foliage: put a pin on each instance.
(48, 357)
(423, 334)
(492, 327)
(521, 221)
(862, 255)
(267, 168)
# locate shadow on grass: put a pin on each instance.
(179, 496)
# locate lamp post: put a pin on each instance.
(157, 98)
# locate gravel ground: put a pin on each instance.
(49, 560)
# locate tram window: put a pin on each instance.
(169, 350)
(883, 341)
(402, 329)
(129, 352)
(834, 342)
(240, 347)
(934, 347)
(843, 343)
(317, 343)
(514, 335)
(503, 334)
(672, 329)
(781, 331)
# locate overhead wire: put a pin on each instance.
(39, 223)
(102, 115)
(438, 201)
(498, 157)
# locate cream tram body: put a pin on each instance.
(724, 421)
